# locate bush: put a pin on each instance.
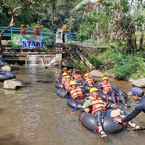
(128, 67)
(80, 66)
(95, 62)
(122, 71)
(123, 66)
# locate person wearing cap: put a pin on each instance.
(77, 76)
(76, 92)
(88, 82)
(106, 86)
(98, 107)
(64, 71)
(108, 92)
(139, 98)
(87, 76)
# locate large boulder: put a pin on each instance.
(6, 68)
(138, 83)
(96, 73)
(12, 84)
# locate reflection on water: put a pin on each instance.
(34, 115)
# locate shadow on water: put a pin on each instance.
(44, 82)
(10, 139)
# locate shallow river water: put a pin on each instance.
(34, 115)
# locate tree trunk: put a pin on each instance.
(132, 46)
(141, 41)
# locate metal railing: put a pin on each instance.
(9, 31)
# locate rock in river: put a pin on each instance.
(12, 84)
(6, 68)
(138, 83)
(96, 73)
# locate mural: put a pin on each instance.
(29, 39)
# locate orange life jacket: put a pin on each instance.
(63, 80)
(77, 77)
(107, 88)
(77, 93)
(99, 105)
(67, 85)
(90, 82)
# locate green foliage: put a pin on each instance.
(80, 66)
(32, 11)
(132, 66)
(96, 62)
(50, 37)
(121, 65)
(124, 69)
(140, 70)
(87, 27)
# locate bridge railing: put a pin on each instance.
(9, 31)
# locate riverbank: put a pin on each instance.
(120, 65)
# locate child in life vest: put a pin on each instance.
(67, 83)
(98, 109)
(108, 91)
(76, 92)
(77, 76)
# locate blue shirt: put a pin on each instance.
(140, 107)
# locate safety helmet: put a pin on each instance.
(105, 78)
(137, 92)
(91, 80)
(67, 77)
(92, 90)
(64, 74)
(65, 69)
(73, 83)
(86, 75)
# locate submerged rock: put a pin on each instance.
(96, 73)
(138, 83)
(12, 84)
(6, 68)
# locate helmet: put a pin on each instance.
(92, 90)
(67, 77)
(90, 80)
(86, 75)
(64, 74)
(65, 69)
(105, 78)
(137, 92)
(73, 83)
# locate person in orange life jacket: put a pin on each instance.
(60, 80)
(64, 76)
(108, 91)
(87, 76)
(77, 76)
(89, 82)
(98, 109)
(64, 70)
(67, 83)
(76, 92)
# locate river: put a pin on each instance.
(34, 115)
